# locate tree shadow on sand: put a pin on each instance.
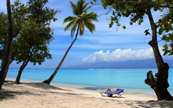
(44, 86)
(4, 94)
(10, 94)
(152, 104)
(35, 85)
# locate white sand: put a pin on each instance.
(39, 95)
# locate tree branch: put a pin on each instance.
(106, 12)
(150, 79)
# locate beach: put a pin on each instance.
(39, 95)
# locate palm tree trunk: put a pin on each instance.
(6, 60)
(160, 84)
(48, 81)
(20, 71)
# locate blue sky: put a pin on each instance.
(105, 44)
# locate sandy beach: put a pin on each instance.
(39, 95)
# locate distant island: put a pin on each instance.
(131, 64)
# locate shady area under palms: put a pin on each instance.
(77, 23)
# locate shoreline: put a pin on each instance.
(148, 92)
(40, 95)
(94, 80)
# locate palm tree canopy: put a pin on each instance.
(81, 18)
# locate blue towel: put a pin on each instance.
(119, 91)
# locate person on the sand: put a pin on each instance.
(109, 90)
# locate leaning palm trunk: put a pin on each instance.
(80, 19)
(6, 58)
(160, 83)
(48, 81)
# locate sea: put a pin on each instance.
(131, 80)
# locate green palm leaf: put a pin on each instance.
(69, 18)
(80, 4)
(68, 26)
(89, 25)
(85, 9)
(74, 7)
(92, 16)
(81, 19)
(81, 27)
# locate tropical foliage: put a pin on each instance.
(135, 10)
(32, 32)
(165, 25)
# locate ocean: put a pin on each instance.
(131, 80)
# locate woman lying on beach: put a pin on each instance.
(109, 90)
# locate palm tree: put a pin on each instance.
(78, 22)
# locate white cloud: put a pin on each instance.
(120, 55)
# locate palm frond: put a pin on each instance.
(80, 4)
(82, 19)
(74, 7)
(73, 28)
(86, 9)
(92, 16)
(83, 14)
(89, 25)
(69, 18)
(81, 27)
(68, 25)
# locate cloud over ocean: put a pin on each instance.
(119, 55)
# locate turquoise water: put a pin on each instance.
(132, 80)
